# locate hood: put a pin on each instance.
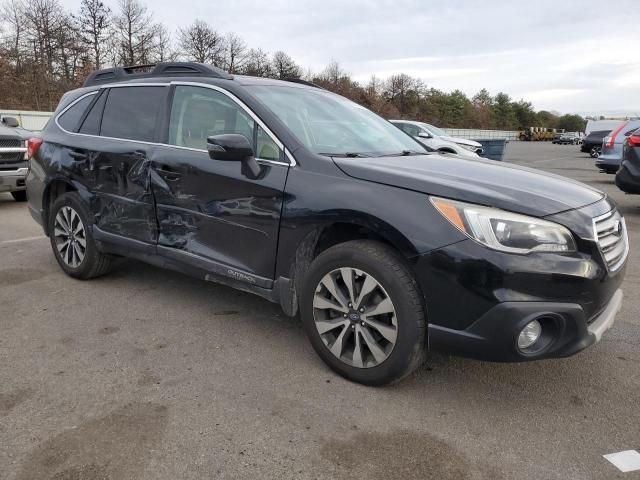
(461, 141)
(509, 187)
(18, 132)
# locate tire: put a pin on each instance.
(19, 196)
(595, 152)
(397, 337)
(76, 262)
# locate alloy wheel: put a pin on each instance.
(355, 317)
(70, 236)
(595, 152)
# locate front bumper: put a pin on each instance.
(566, 331)
(13, 180)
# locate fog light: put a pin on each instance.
(529, 335)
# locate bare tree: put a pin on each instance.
(136, 31)
(95, 20)
(163, 50)
(201, 43)
(235, 53)
(257, 63)
(284, 66)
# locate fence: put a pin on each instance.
(37, 120)
(34, 121)
(482, 134)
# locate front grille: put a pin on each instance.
(6, 157)
(11, 143)
(611, 235)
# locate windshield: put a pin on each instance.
(435, 131)
(328, 124)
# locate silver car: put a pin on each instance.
(13, 162)
(437, 139)
(611, 157)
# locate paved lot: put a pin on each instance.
(149, 374)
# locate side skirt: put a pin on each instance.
(189, 264)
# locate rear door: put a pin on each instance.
(210, 213)
(117, 138)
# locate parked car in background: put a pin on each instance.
(13, 162)
(592, 143)
(611, 156)
(330, 211)
(628, 176)
(568, 138)
(438, 140)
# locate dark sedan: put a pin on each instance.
(592, 143)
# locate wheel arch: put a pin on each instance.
(56, 187)
(335, 232)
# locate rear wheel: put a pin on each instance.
(72, 239)
(19, 196)
(363, 312)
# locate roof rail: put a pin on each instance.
(164, 69)
(302, 82)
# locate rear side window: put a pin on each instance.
(70, 119)
(91, 124)
(132, 113)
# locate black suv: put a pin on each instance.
(312, 201)
(592, 143)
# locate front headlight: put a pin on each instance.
(505, 231)
(471, 148)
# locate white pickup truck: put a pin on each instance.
(13, 163)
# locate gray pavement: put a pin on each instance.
(148, 374)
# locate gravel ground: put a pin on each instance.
(148, 374)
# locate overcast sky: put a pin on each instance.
(573, 56)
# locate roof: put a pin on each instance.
(174, 70)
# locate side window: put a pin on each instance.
(69, 120)
(410, 129)
(198, 113)
(266, 148)
(132, 112)
(91, 124)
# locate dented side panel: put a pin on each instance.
(210, 209)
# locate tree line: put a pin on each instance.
(46, 50)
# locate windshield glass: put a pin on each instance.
(329, 124)
(435, 131)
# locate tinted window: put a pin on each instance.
(91, 124)
(198, 113)
(410, 129)
(69, 120)
(132, 112)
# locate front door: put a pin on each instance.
(211, 213)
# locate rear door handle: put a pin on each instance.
(78, 155)
(169, 175)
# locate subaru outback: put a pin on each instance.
(309, 200)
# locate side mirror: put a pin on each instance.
(230, 147)
(424, 135)
(233, 147)
(10, 122)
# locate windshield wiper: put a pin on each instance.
(405, 153)
(346, 154)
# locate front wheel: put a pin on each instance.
(363, 312)
(595, 152)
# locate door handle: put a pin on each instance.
(77, 155)
(169, 175)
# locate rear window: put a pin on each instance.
(91, 123)
(70, 119)
(132, 113)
